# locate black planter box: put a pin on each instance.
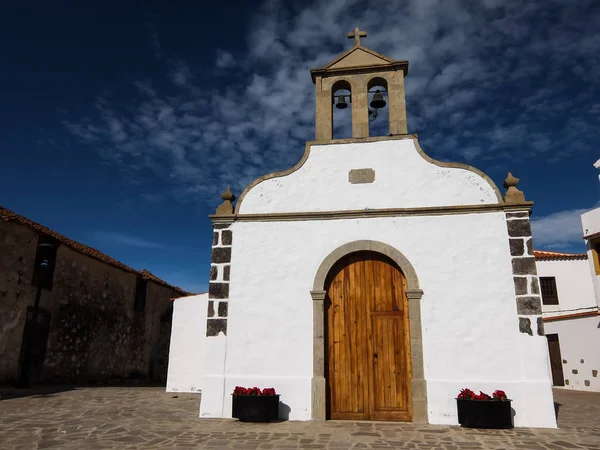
(484, 413)
(255, 408)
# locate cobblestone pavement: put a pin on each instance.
(149, 418)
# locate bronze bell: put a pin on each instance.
(341, 103)
(378, 102)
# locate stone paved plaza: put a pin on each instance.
(149, 418)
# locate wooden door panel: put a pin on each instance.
(556, 366)
(348, 359)
(390, 369)
(368, 360)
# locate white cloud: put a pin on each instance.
(125, 239)
(560, 229)
(470, 62)
(224, 60)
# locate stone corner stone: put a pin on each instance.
(529, 305)
(519, 228)
(218, 290)
(216, 326)
(524, 266)
(540, 327)
(525, 325)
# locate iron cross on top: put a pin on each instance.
(357, 34)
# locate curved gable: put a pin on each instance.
(375, 174)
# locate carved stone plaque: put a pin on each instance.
(358, 176)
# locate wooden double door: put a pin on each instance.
(367, 337)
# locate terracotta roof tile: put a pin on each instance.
(10, 216)
(558, 256)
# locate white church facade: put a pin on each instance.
(369, 281)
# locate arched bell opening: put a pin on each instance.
(379, 124)
(342, 110)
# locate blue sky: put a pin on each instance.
(121, 124)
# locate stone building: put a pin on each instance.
(98, 320)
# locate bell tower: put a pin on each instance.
(368, 76)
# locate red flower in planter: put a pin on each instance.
(239, 390)
(482, 396)
(499, 395)
(468, 394)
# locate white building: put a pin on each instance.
(571, 319)
(370, 281)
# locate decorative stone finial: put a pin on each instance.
(513, 195)
(226, 208)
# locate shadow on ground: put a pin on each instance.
(9, 391)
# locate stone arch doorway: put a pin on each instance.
(399, 269)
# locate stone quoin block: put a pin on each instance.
(517, 247)
(218, 290)
(512, 215)
(567, 382)
(221, 255)
(525, 325)
(215, 239)
(226, 273)
(216, 326)
(529, 245)
(221, 226)
(519, 228)
(535, 286)
(529, 305)
(540, 327)
(211, 308)
(214, 271)
(520, 285)
(222, 310)
(226, 237)
(524, 266)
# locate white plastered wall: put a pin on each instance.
(574, 286)
(590, 222)
(579, 340)
(470, 327)
(403, 179)
(188, 347)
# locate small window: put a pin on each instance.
(549, 293)
(44, 262)
(139, 304)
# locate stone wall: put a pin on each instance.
(525, 278)
(94, 332)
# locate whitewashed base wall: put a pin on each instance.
(187, 349)
(470, 328)
(579, 346)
